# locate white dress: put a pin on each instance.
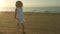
(20, 15)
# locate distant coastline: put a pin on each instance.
(34, 9)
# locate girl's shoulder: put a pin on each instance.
(19, 8)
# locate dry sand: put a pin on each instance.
(35, 23)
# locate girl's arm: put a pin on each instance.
(15, 13)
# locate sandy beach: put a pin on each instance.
(35, 23)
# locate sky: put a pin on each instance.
(31, 3)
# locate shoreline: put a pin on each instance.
(34, 13)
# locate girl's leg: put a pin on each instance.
(18, 27)
(23, 28)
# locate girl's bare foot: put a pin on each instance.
(24, 33)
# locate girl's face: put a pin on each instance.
(19, 4)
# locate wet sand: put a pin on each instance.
(35, 23)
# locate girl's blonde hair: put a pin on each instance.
(19, 4)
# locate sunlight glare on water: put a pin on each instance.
(1, 3)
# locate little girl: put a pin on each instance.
(19, 15)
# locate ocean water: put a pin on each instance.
(35, 9)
